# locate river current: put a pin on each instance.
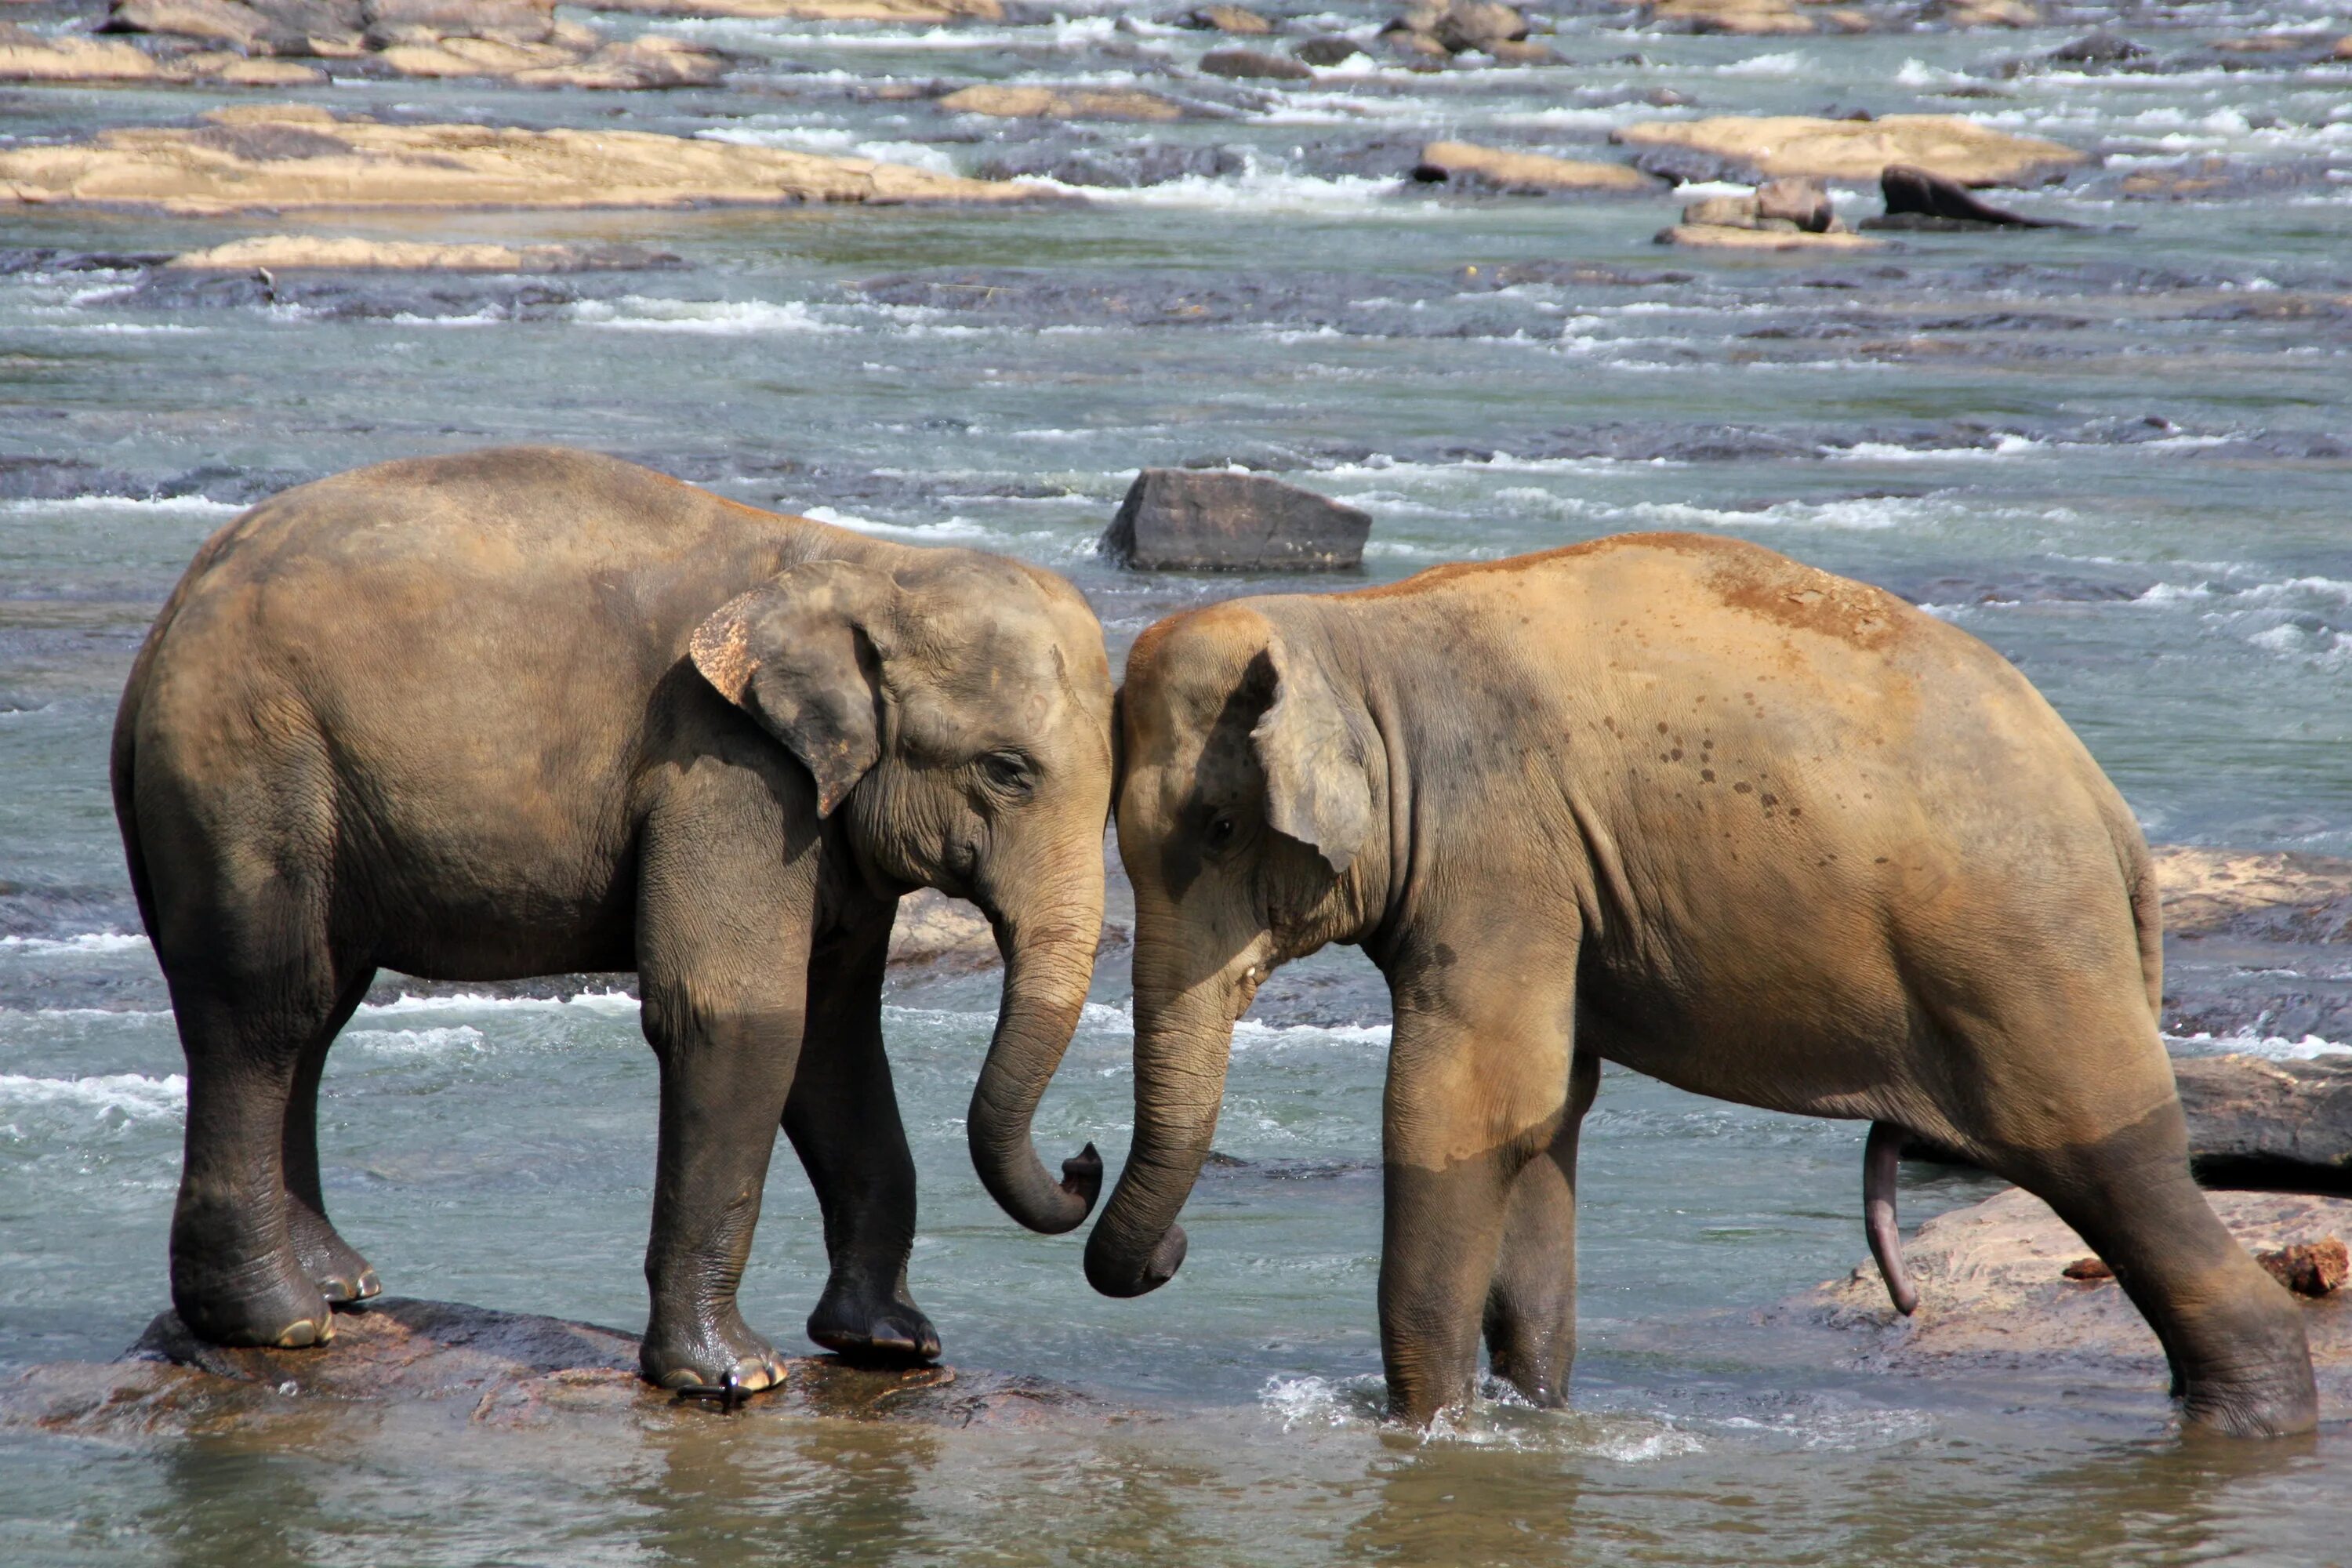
(2121, 453)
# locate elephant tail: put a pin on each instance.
(2147, 913)
(1879, 1159)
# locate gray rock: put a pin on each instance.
(1246, 65)
(1328, 50)
(1177, 519)
(2259, 1123)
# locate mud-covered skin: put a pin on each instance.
(1684, 805)
(531, 711)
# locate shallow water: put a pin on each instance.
(2123, 458)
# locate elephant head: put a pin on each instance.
(953, 710)
(1252, 821)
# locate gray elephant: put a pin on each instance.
(530, 711)
(1684, 805)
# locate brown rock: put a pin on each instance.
(1745, 19)
(1850, 150)
(1455, 25)
(933, 929)
(1714, 237)
(481, 1367)
(2267, 895)
(237, 70)
(1417, 50)
(215, 21)
(1724, 212)
(392, 22)
(1521, 52)
(1328, 50)
(1802, 202)
(2255, 1123)
(1465, 163)
(1063, 104)
(286, 156)
(911, 13)
(1242, 65)
(2310, 1267)
(2087, 1269)
(28, 55)
(1239, 20)
(1986, 14)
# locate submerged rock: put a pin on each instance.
(1521, 173)
(482, 1366)
(29, 57)
(1857, 150)
(294, 156)
(1726, 237)
(1993, 1294)
(1236, 19)
(1328, 49)
(1176, 520)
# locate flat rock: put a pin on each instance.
(2266, 895)
(293, 156)
(479, 1367)
(1493, 168)
(933, 929)
(1742, 18)
(1239, 20)
(636, 65)
(1858, 150)
(1180, 519)
(1726, 237)
(917, 13)
(1253, 64)
(293, 252)
(1063, 104)
(1992, 1296)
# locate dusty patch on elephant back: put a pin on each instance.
(1804, 600)
(477, 1366)
(1994, 1294)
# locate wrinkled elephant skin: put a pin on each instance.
(1684, 805)
(532, 711)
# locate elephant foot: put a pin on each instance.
(870, 1328)
(333, 1265)
(270, 1303)
(705, 1353)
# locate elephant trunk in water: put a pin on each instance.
(1047, 937)
(1182, 1044)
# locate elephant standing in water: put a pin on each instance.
(531, 711)
(1681, 804)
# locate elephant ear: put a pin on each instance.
(801, 655)
(1318, 789)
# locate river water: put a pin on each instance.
(2122, 455)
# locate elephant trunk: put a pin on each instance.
(1047, 938)
(1181, 1047)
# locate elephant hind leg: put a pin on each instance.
(2235, 1340)
(255, 1003)
(332, 1264)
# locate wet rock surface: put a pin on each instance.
(1466, 164)
(1177, 519)
(2253, 1122)
(1856, 150)
(1993, 1296)
(481, 1366)
(297, 156)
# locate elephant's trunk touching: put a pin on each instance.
(1181, 1049)
(1048, 942)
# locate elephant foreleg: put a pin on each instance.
(842, 1120)
(1531, 1306)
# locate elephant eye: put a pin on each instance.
(1008, 771)
(1221, 832)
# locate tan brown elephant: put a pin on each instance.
(530, 711)
(1684, 805)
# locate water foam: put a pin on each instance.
(133, 1095)
(2273, 1048)
(416, 1042)
(86, 941)
(720, 317)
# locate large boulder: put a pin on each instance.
(1994, 1295)
(1456, 27)
(1858, 150)
(1525, 174)
(1184, 520)
(286, 156)
(2259, 1123)
(479, 1366)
